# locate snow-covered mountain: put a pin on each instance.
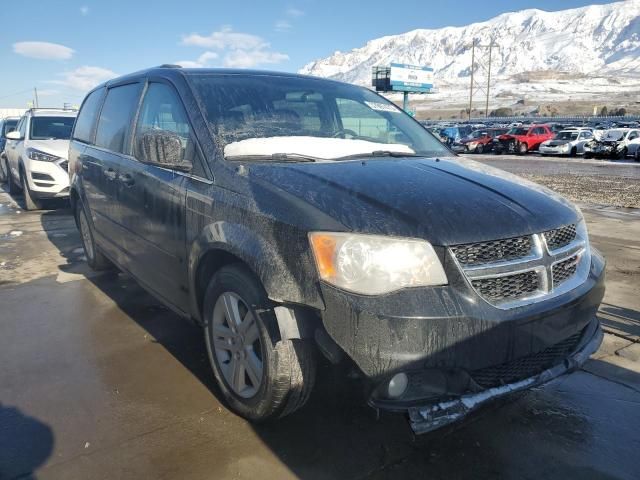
(597, 40)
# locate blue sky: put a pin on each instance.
(63, 47)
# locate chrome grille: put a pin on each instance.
(507, 287)
(560, 237)
(486, 252)
(564, 270)
(518, 271)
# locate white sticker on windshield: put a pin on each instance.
(382, 107)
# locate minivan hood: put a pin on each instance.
(448, 201)
(59, 148)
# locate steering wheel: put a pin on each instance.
(342, 133)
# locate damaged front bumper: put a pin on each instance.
(431, 417)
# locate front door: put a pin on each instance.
(154, 198)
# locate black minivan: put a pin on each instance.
(293, 216)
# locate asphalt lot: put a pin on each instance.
(100, 381)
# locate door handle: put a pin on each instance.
(127, 179)
(110, 173)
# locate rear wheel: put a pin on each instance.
(95, 258)
(260, 378)
(30, 202)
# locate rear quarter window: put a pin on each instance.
(114, 126)
(87, 117)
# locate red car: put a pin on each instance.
(523, 139)
(480, 141)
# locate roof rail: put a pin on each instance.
(170, 65)
(61, 109)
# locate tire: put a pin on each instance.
(623, 154)
(11, 184)
(30, 203)
(522, 148)
(574, 152)
(636, 156)
(95, 258)
(287, 370)
(3, 171)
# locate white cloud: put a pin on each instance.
(84, 10)
(236, 49)
(43, 50)
(85, 78)
(202, 61)
(224, 38)
(294, 12)
(282, 26)
(247, 59)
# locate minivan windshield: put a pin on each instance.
(296, 119)
(51, 128)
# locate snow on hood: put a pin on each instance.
(327, 148)
(58, 147)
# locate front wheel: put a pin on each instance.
(30, 202)
(260, 378)
(522, 148)
(11, 184)
(623, 154)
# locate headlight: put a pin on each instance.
(41, 156)
(472, 144)
(564, 146)
(372, 264)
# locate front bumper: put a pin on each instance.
(545, 150)
(442, 336)
(431, 417)
(48, 179)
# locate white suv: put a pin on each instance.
(36, 155)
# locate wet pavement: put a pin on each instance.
(97, 380)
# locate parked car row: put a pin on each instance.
(34, 158)
(558, 140)
(292, 217)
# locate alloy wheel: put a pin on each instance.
(236, 344)
(85, 234)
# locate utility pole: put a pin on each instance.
(480, 67)
(486, 107)
(473, 67)
(35, 91)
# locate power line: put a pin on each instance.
(17, 93)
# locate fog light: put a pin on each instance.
(398, 385)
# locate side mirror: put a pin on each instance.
(162, 148)
(14, 135)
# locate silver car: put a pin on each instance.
(567, 142)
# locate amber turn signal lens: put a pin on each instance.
(324, 250)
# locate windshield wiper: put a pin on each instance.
(275, 157)
(378, 153)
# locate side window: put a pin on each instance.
(633, 135)
(163, 111)
(116, 116)
(363, 120)
(87, 117)
(22, 127)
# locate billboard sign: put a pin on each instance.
(411, 78)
